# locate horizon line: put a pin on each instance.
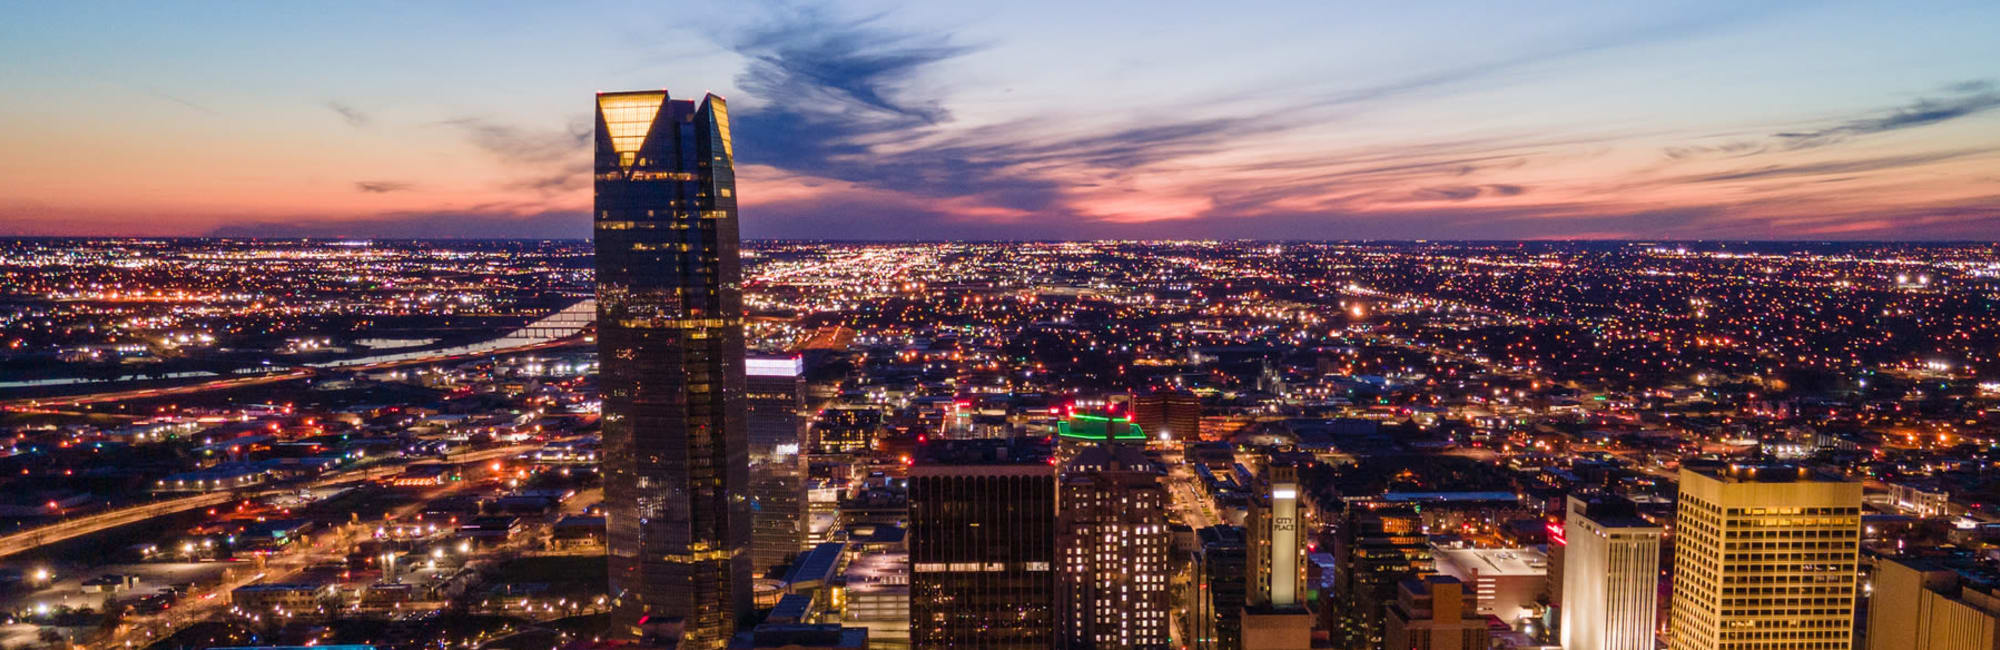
(825, 240)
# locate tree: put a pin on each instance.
(112, 614)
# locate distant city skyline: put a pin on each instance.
(865, 120)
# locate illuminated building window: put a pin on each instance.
(627, 118)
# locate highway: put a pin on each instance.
(79, 526)
(37, 403)
(147, 393)
(133, 515)
(201, 604)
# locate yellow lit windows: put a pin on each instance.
(720, 112)
(627, 118)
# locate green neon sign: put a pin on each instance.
(1097, 427)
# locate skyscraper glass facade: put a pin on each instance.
(670, 342)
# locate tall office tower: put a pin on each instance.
(1113, 540)
(1168, 414)
(1433, 614)
(670, 345)
(775, 397)
(1376, 545)
(1611, 576)
(1764, 557)
(1275, 615)
(1277, 550)
(1213, 603)
(1925, 604)
(982, 539)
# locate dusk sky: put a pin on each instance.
(1019, 120)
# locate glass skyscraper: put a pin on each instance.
(670, 346)
(777, 433)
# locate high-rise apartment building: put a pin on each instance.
(1168, 415)
(1764, 557)
(1924, 604)
(1113, 544)
(1433, 613)
(670, 344)
(982, 539)
(1611, 575)
(775, 399)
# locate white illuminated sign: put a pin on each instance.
(1284, 545)
(768, 367)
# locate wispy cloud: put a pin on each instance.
(1736, 148)
(552, 160)
(527, 146)
(381, 187)
(855, 100)
(1834, 166)
(1488, 69)
(1962, 99)
(851, 67)
(562, 177)
(179, 100)
(847, 100)
(353, 116)
(821, 85)
(1465, 192)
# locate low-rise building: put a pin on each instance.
(876, 595)
(220, 478)
(1919, 499)
(800, 636)
(1433, 614)
(287, 597)
(1508, 583)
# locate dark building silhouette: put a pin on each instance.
(982, 542)
(670, 344)
(1216, 584)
